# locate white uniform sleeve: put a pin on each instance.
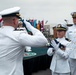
(50, 52)
(62, 53)
(35, 40)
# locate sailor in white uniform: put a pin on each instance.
(71, 34)
(60, 64)
(12, 42)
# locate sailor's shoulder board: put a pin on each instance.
(67, 39)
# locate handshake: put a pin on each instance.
(55, 44)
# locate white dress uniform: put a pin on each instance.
(71, 34)
(12, 45)
(27, 48)
(60, 64)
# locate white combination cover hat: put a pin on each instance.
(62, 27)
(10, 12)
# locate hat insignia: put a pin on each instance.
(18, 14)
(59, 25)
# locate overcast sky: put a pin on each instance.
(55, 11)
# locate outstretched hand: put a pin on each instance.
(55, 46)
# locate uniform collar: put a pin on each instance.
(61, 38)
(8, 27)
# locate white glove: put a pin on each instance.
(28, 48)
(55, 46)
(32, 29)
(28, 25)
(50, 51)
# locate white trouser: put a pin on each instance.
(73, 66)
(54, 73)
